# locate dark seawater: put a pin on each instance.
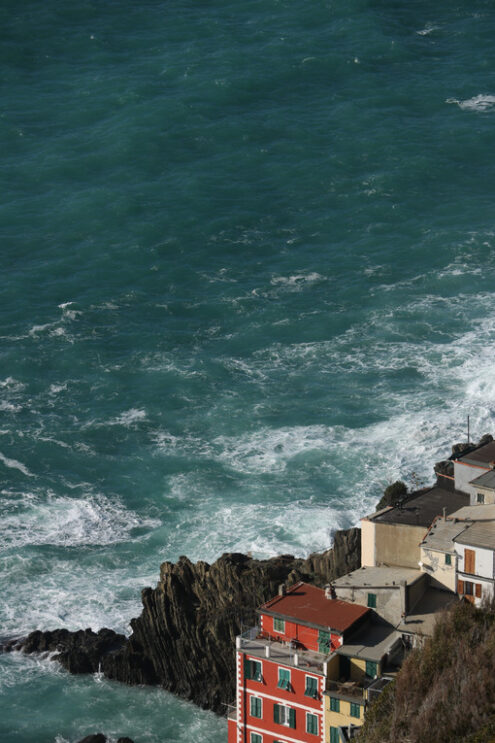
(248, 279)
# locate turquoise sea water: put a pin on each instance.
(247, 280)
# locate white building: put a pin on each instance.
(475, 551)
(471, 466)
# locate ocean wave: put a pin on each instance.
(480, 103)
(45, 518)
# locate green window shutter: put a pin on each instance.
(448, 559)
(247, 668)
(256, 738)
(371, 669)
(372, 600)
(278, 625)
(355, 710)
(292, 717)
(334, 704)
(255, 707)
(311, 724)
(311, 687)
(276, 713)
(334, 735)
(323, 641)
(283, 679)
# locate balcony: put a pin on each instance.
(286, 653)
(349, 690)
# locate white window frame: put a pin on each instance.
(285, 670)
(253, 734)
(255, 696)
(309, 676)
(286, 715)
(282, 621)
(308, 715)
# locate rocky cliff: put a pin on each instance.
(184, 639)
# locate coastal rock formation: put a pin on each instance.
(100, 738)
(184, 639)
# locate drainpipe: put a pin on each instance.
(403, 598)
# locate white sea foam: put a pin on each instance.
(9, 407)
(129, 417)
(14, 464)
(480, 103)
(297, 281)
(428, 29)
(44, 518)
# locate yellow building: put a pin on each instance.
(352, 683)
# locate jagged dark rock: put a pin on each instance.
(393, 493)
(79, 652)
(184, 639)
(445, 467)
(96, 738)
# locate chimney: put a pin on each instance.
(281, 589)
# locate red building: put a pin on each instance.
(283, 664)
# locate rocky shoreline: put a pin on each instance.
(184, 638)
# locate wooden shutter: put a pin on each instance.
(276, 713)
(460, 586)
(292, 717)
(247, 668)
(478, 590)
(469, 561)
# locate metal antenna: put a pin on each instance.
(468, 430)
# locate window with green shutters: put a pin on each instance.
(323, 641)
(311, 723)
(371, 669)
(448, 559)
(311, 687)
(283, 679)
(355, 710)
(372, 600)
(283, 715)
(255, 707)
(334, 704)
(252, 670)
(256, 738)
(334, 735)
(279, 625)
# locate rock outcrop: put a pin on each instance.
(184, 639)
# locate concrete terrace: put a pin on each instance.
(254, 645)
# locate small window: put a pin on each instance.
(279, 625)
(252, 670)
(480, 498)
(355, 710)
(468, 588)
(283, 715)
(311, 687)
(371, 669)
(334, 735)
(311, 723)
(334, 704)
(256, 738)
(372, 600)
(283, 679)
(255, 707)
(448, 559)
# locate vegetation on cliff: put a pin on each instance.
(445, 690)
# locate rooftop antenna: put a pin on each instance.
(468, 429)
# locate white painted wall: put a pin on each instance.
(484, 560)
(463, 474)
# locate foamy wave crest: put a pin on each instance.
(269, 450)
(477, 103)
(297, 281)
(57, 520)
(14, 464)
(129, 417)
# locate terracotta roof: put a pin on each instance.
(308, 604)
